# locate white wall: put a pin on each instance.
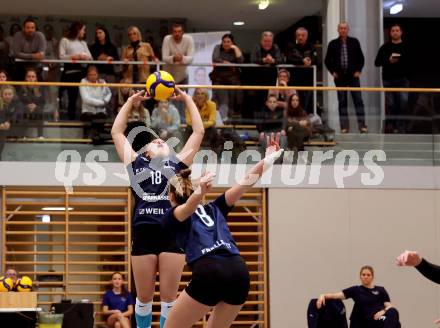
(319, 244)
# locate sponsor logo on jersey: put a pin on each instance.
(151, 210)
(375, 292)
(217, 244)
(153, 198)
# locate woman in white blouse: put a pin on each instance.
(73, 47)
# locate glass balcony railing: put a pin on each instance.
(41, 120)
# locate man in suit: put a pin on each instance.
(345, 62)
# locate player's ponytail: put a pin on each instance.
(181, 186)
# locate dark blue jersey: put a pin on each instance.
(205, 232)
(149, 185)
(117, 301)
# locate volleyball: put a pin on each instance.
(24, 284)
(160, 85)
(6, 284)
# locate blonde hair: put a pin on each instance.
(205, 92)
(137, 31)
(181, 186)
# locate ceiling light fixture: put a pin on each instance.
(238, 23)
(263, 4)
(396, 8)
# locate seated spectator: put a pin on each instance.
(229, 101)
(32, 98)
(11, 273)
(208, 112)
(94, 101)
(372, 305)
(165, 121)
(3, 78)
(123, 93)
(297, 126)
(137, 51)
(282, 95)
(139, 113)
(29, 44)
(73, 47)
(117, 303)
(10, 103)
(3, 75)
(7, 110)
(271, 120)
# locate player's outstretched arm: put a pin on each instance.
(123, 147)
(184, 211)
(273, 152)
(193, 143)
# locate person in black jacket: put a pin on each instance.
(303, 54)
(427, 269)
(345, 61)
(333, 315)
(393, 58)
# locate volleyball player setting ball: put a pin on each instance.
(220, 278)
(153, 249)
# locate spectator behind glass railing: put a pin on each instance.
(208, 112)
(178, 48)
(4, 49)
(137, 51)
(8, 108)
(51, 73)
(228, 101)
(165, 121)
(33, 99)
(302, 53)
(73, 47)
(268, 54)
(94, 102)
(282, 95)
(104, 49)
(123, 93)
(94, 99)
(14, 28)
(139, 113)
(345, 61)
(29, 44)
(297, 126)
(271, 120)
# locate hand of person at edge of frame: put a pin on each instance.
(379, 314)
(408, 258)
(139, 96)
(320, 302)
(206, 181)
(437, 322)
(179, 94)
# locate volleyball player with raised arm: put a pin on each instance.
(153, 249)
(220, 277)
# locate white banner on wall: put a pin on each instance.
(204, 44)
